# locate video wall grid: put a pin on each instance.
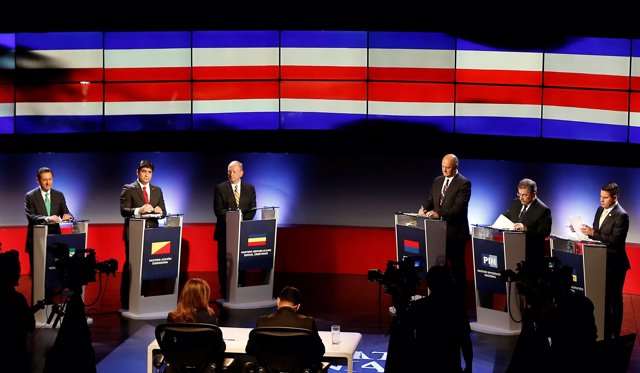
(80, 82)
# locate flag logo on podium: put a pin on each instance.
(259, 239)
(411, 246)
(162, 247)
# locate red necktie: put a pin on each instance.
(146, 196)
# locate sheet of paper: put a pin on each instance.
(503, 222)
(576, 224)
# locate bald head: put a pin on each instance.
(449, 165)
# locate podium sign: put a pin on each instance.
(251, 245)
(497, 302)
(589, 262)
(419, 235)
(154, 255)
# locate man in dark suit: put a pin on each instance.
(286, 314)
(137, 199)
(449, 201)
(533, 217)
(610, 226)
(224, 199)
(35, 205)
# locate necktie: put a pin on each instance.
(444, 190)
(522, 212)
(146, 196)
(602, 217)
(236, 194)
(47, 203)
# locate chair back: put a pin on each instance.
(190, 347)
(283, 349)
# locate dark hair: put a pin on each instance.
(290, 294)
(145, 163)
(612, 188)
(439, 277)
(42, 170)
(9, 268)
(529, 185)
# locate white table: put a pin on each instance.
(236, 340)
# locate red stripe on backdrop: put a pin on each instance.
(635, 83)
(324, 72)
(635, 102)
(412, 74)
(139, 74)
(579, 80)
(499, 77)
(235, 72)
(6, 94)
(410, 92)
(234, 90)
(588, 99)
(72, 92)
(325, 90)
(160, 91)
(487, 94)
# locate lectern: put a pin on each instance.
(589, 262)
(420, 235)
(154, 254)
(45, 274)
(251, 245)
(497, 302)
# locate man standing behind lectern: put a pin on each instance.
(232, 194)
(44, 205)
(137, 199)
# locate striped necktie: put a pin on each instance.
(444, 190)
(236, 193)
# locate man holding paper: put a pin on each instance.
(610, 226)
(533, 217)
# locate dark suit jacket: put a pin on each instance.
(537, 219)
(224, 200)
(132, 197)
(37, 212)
(455, 206)
(286, 316)
(613, 232)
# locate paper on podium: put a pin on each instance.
(503, 222)
(147, 216)
(576, 224)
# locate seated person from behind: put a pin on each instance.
(286, 314)
(193, 304)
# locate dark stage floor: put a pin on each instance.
(349, 300)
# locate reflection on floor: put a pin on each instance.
(348, 300)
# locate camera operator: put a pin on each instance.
(559, 330)
(441, 326)
(16, 315)
(401, 280)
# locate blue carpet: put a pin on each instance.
(131, 356)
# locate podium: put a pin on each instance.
(251, 245)
(420, 235)
(589, 262)
(154, 254)
(45, 274)
(497, 302)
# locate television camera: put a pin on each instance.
(79, 267)
(400, 280)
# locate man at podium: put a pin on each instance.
(232, 194)
(44, 205)
(138, 199)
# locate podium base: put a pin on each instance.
(144, 316)
(489, 329)
(244, 315)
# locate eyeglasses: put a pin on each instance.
(525, 195)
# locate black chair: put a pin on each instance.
(283, 349)
(190, 348)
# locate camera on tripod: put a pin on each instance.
(539, 282)
(79, 267)
(400, 279)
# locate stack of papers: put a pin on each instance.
(503, 222)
